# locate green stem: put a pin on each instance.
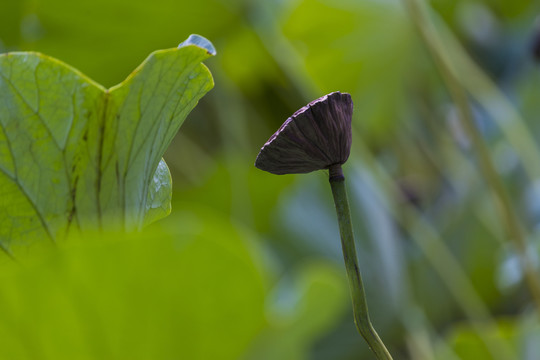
(486, 166)
(361, 315)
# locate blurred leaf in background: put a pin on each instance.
(365, 47)
(191, 291)
(293, 312)
(189, 287)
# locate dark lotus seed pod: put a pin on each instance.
(535, 44)
(315, 137)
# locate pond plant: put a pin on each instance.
(318, 137)
(75, 156)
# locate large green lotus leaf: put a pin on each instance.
(193, 290)
(76, 155)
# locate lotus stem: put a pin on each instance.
(360, 308)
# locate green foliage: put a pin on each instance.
(466, 341)
(192, 286)
(374, 44)
(75, 155)
(295, 319)
(193, 290)
(418, 200)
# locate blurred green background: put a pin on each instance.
(249, 265)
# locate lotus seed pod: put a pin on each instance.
(318, 136)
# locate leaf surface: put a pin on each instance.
(76, 155)
(165, 293)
